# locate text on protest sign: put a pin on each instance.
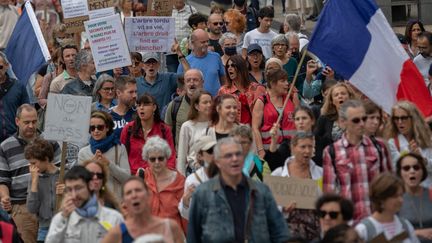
(76, 24)
(286, 190)
(67, 118)
(108, 43)
(160, 7)
(74, 8)
(150, 34)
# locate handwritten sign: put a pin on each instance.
(108, 43)
(150, 34)
(160, 7)
(286, 190)
(74, 8)
(76, 24)
(102, 12)
(68, 118)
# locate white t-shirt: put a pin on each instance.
(390, 230)
(423, 65)
(262, 39)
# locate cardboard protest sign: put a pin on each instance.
(67, 118)
(76, 24)
(150, 34)
(102, 12)
(74, 8)
(160, 7)
(108, 43)
(286, 190)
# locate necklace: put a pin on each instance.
(418, 212)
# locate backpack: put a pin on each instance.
(174, 110)
(371, 231)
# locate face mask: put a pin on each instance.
(230, 51)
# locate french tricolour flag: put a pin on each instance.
(355, 39)
(27, 50)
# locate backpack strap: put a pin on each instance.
(163, 130)
(379, 150)
(332, 154)
(396, 141)
(128, 136)
(370, 228)
(174, 111)
(198, 178)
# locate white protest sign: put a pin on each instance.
(74, 8)
(68, 118)
(150, 34)
(286, 190)
(102, 12)
(108, 43)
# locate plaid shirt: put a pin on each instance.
(181, 16)
(356, 166)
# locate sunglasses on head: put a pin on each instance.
(400, 118)
(98, 127)
(153, 159)
(408, 167)
(97, 174)
(332, 214)
(358, 119)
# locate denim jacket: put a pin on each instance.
(211, 220)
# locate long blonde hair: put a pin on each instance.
(328, 108)
(421, 133)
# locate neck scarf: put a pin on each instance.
(104, 144)
(90, 208)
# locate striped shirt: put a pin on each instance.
(356, 166)
(14, 168)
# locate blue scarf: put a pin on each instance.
(90, 208)
(104, 144)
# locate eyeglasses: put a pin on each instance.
(98, 127)
(230, 155)
(97, 174)
(230, 65)
(332, 214)
(218, 23)
(400, 118)
(358, 119)
(153, 159)
(408, 167)
(108, 89)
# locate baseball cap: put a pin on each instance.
(150, 55)
(254, 47)
(203, 143)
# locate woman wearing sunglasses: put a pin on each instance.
(106, 148)
(104, 92)
(240, 86)
(386, 195)
(408, 132)
(301, 222)
(417, 202)
(165, 185)
(98, 183)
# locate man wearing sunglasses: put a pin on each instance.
(81, 218)
(215, 24)
(232, 207)
(350, 163)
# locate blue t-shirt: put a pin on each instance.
(212, 68)
(162, 89)
(121, 121)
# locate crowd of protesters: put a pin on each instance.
(180, 143)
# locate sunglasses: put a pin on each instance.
(332, 214)
(111, 89)
(218, 23)
(98, 127)
(209, 151)
(153, 159)
(408, 167)
(400, 118)
(358, 119)
(231, 65)
(97, 174)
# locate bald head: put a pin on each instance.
(215, 24)
(199, 39)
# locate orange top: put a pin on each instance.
(165, 203)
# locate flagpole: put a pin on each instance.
(293, 82)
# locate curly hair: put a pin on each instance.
(420, 129)
(328, 108)
(237, 20)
